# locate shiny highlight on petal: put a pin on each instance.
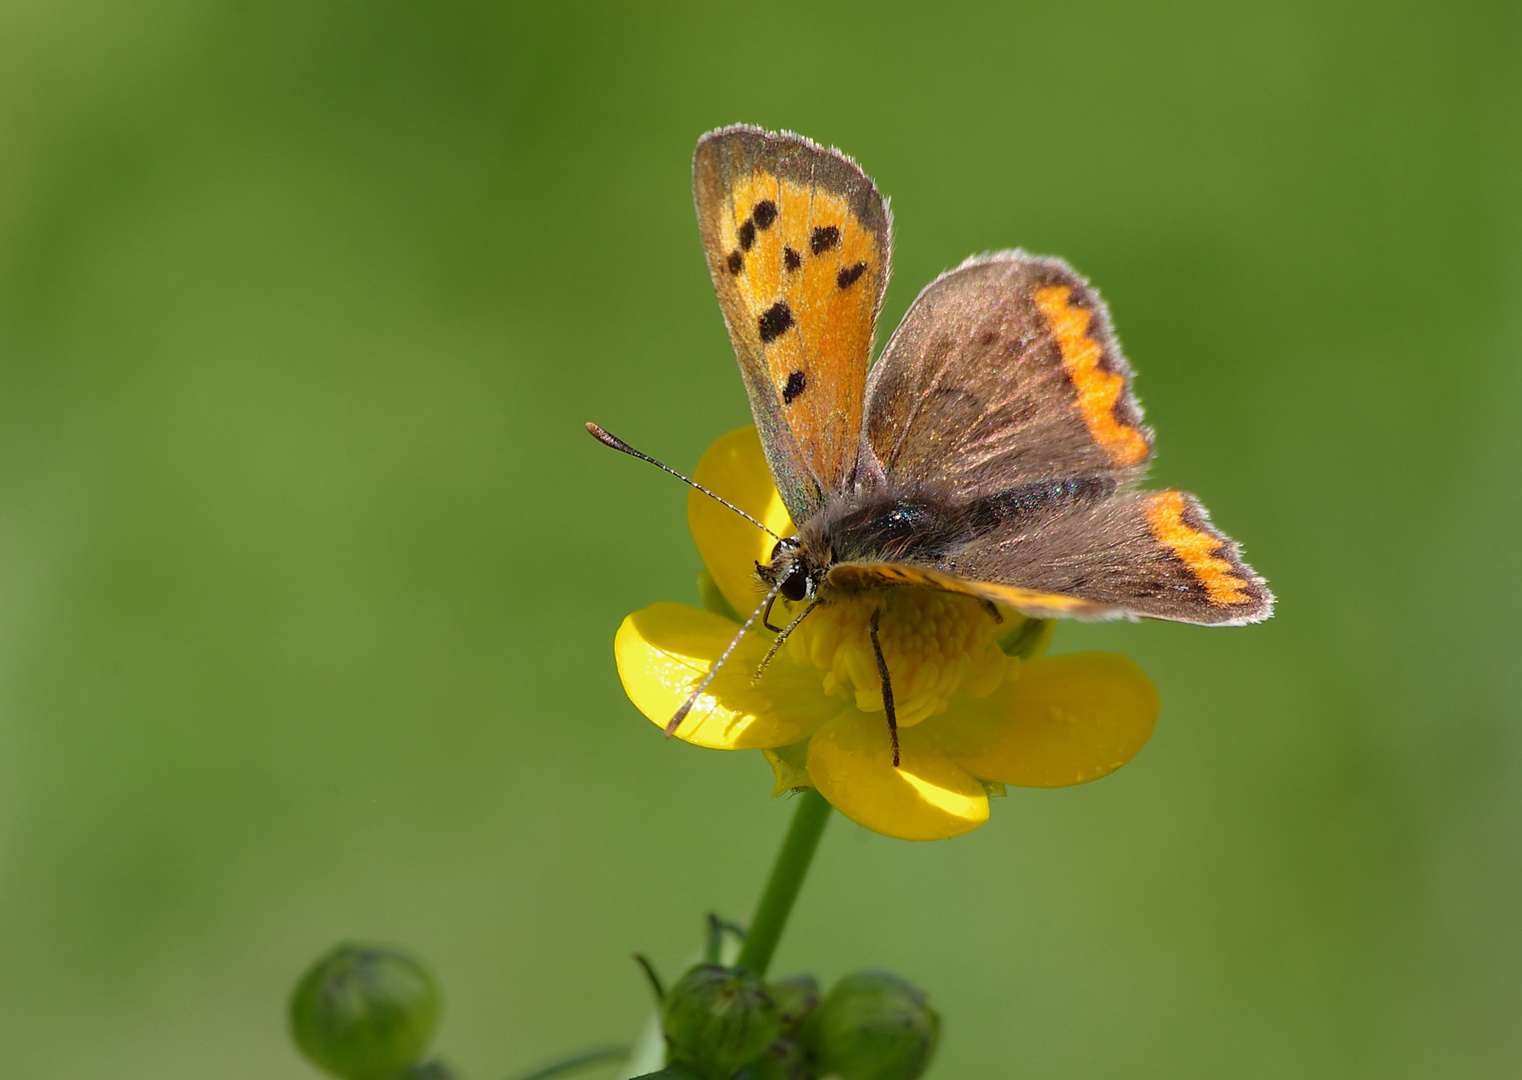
(928, 797)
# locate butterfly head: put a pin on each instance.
(791, 571)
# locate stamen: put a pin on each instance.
(937, 645)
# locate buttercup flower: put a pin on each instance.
(972, 716)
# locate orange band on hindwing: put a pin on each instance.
(1197, 548)
(1098, 390)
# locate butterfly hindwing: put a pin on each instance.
(798, 242)
(1151, 554)
(1004, 372)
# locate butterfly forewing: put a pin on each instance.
(798, 240)
(1004, 373)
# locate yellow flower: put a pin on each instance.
(971, 717)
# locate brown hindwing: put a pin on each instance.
(1145, 553)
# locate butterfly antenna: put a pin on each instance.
(781, 637)
(608, 439)
(681, 714)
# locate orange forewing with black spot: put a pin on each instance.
(798, 242)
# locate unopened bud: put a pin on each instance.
(796, 998)
(718, 1019)
(874, 1025)
(675, 1071)
(365, 1013)
(784, 1059)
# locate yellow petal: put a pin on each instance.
(1061, 720)
(663, 652)
(735, 468)
(928, 797)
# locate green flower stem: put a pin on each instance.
(782, 887)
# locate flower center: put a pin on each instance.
(935, 643)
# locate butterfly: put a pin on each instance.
(994, 450)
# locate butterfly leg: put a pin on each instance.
(882, 671)
(766, 619)
(781, 637)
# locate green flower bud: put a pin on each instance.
(784, 1059)
(796, 998)
(364, 1013)
(874, 1025)
(670, 1072)
(718, 1019)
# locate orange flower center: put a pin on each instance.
(935, 643)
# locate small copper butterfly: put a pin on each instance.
(995, 448)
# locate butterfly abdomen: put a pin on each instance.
(991, 512)
(926, 527)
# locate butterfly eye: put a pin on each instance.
(796, 585)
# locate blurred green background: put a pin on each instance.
(309, 575)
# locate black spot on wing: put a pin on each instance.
(736, 261)
(847, 277)
(747, 235)
(791, 259)
(796, 381)
(774, 321)
(824, 238)
(764, 214)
